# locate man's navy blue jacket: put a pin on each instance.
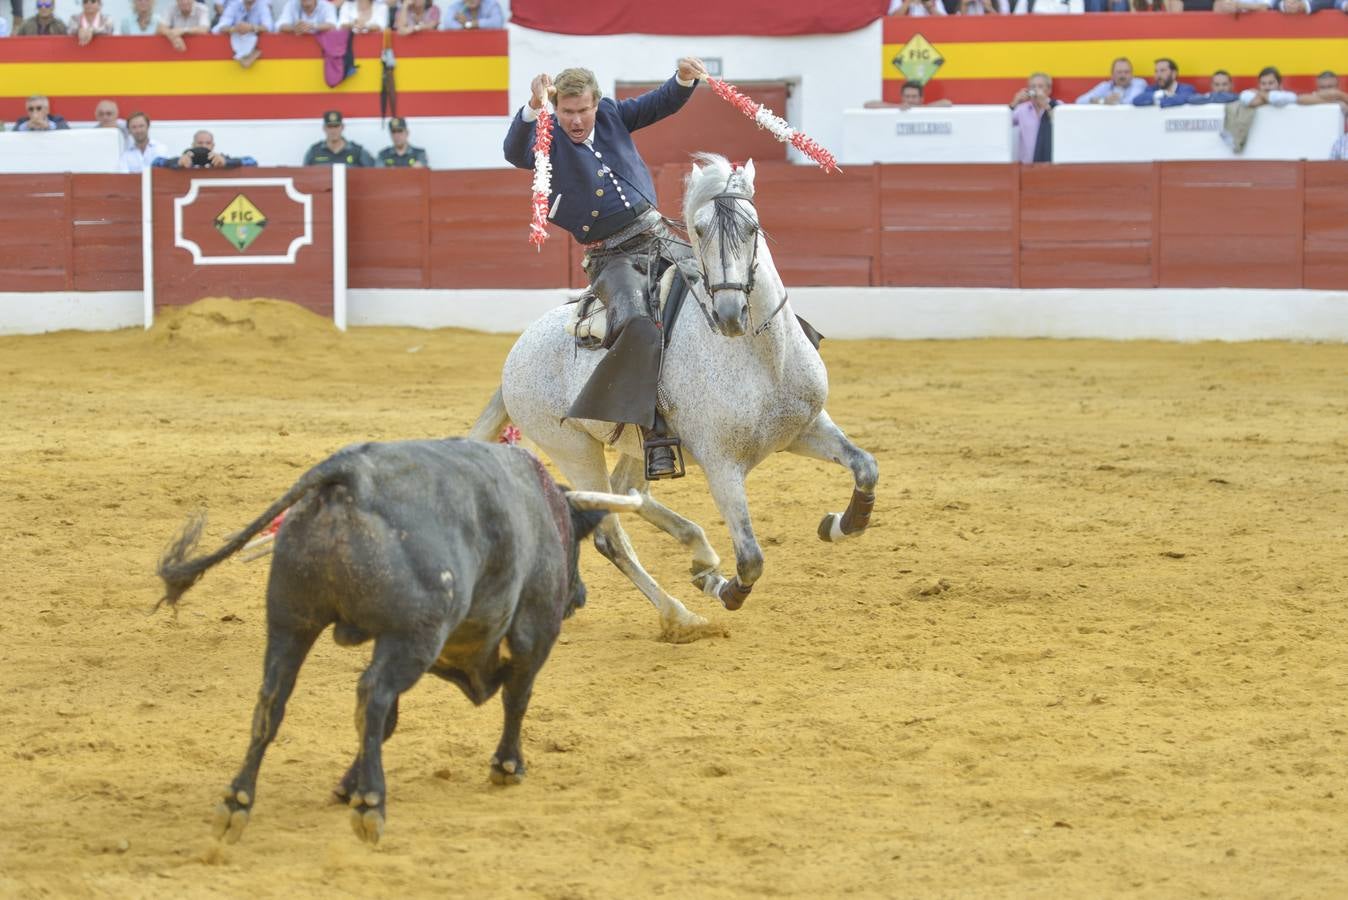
(581, 191)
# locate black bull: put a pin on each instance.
(457, 557)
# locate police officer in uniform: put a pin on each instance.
(335, 148)
(401, 154)
(603, 194)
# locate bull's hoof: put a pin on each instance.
(509, 772)
(367, 817)
(231, 816)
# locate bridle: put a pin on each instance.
(746, 286)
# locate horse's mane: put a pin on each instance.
(717, 177)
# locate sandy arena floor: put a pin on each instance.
(1092, 645)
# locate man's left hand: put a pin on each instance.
(692, 69)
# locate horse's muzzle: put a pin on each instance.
(731, 317)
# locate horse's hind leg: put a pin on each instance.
(824, 440)
(627, 476)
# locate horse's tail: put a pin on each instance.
(491, 420)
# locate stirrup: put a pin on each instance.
(676, 449)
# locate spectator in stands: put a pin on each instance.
(1121, 86)
(416, 15)
(143, 152)
(473, 14)
(1220, 90)
(1269, 92)
(185, 17)
(307, 17)
(1032, 117)
(916, 8)
(40, 117)
(91, 22)
(4, 32)
(1242, 6)
(43, 22)
(1167, 91)
(363, 15)
(1051, 7)
(1326, 91)
(910, 97)
(983, 8)
(105, 116)
(1095, 6)
(335, 148)
(202, 155)
(1340, 148)
(243, 21)
(402, 154)
(142, 21)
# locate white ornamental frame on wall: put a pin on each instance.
(338, 234)
(201, 259)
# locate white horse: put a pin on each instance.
(740, 381)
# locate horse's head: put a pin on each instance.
(718, 207)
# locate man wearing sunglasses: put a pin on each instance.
(45, 22)
(40, 117)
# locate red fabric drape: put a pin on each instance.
(738, 17)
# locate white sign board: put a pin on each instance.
(68, 150)
(942, 134)
(1144, 134)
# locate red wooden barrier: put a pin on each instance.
(1175, 224)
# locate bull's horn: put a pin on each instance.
(601, 500)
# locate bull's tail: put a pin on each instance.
(179, 573)
(491, 420)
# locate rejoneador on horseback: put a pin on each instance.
(603, 194)
(741, 379)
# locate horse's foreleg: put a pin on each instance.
(727, 489)
(627, 476)
(678, 624)
(824, 440)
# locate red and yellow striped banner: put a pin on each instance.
(985, 59)
(451, 73)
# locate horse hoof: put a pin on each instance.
(733, 594)
(830, 528)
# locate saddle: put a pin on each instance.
(588, 322)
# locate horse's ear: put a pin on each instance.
(697, 172)
(749, 172)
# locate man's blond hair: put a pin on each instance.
(574, 82)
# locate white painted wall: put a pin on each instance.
(842, 313)
(830, 73)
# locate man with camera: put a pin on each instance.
(203, 155)
(1032, 118)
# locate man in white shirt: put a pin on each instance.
(307, 17)
(1120, 88)
(1269, 92)
(143, 152)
